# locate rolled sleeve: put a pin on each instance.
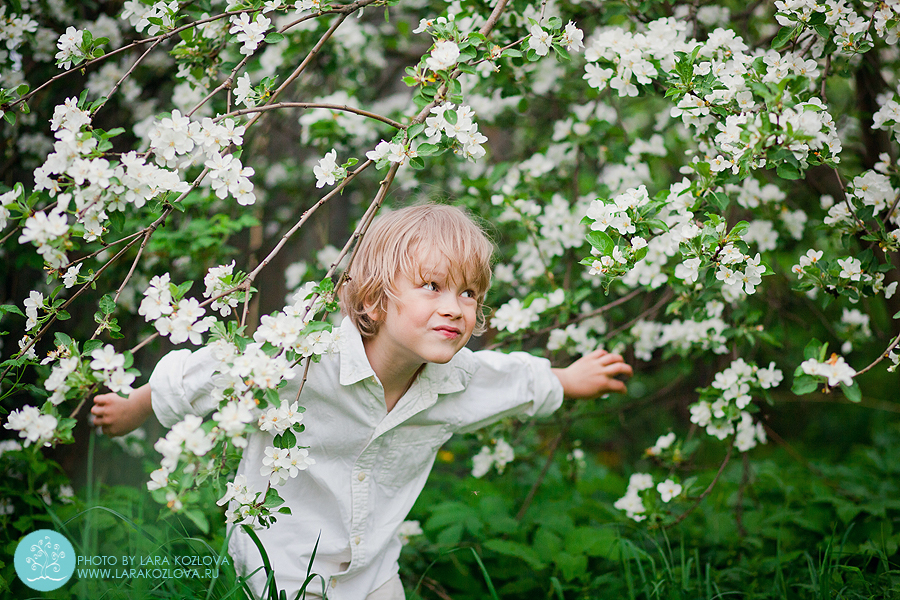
(181, 385)
(504, 385)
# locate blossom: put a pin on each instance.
(407, 530)
(251, 33)
(835, 370)
(851, 268)
(668, 489)
(572, 37)
(106, 359)
(69, 45)
(539, 41)
(33, 426)
(444, 56)
(244, 90)
(327, 170)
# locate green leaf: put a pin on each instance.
(415, 130)
(22, 89)
(783, 37)
(511, 53)
(428, 149)
(11, 308)
(107, 304)
(602, 242)
(718, 199)
(450, 116)
(10, 117)
(509, 548)
(417, 163)
(804, 384)
(274, 38)
(853, 393)
(273, 499)
(812, 349)
(787, 171)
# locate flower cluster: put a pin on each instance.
(250, 33)
(70, 48)
(516, 315)
(281, 464)
(639, 491)
(139, 15)
(834, 371)
(219, 281)
(33, 426)
(178, 318)
(724, 407)
(459, 126)
(110, 367)
(327, 171)
(76, 172)
(497, 457)
(444, 55)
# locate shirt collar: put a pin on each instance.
(442, 379)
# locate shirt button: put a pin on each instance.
(361, 476)
(357, 540)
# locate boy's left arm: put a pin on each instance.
(593, 375)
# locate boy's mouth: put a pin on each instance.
(447, 331)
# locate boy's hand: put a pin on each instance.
(593, 375)
(117, 415)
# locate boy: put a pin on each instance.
(378, 411)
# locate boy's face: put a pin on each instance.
(432, 317)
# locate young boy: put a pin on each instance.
(378, 411)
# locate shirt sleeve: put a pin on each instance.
(504, 385)
(180, 385)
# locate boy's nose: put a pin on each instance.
(449, 306)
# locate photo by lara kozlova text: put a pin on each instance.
(260, 260)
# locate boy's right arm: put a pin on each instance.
(117, 415)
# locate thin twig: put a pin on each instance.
(554, 445)
(882, 357)
(344, 107)
(302, 67)
(706, 492)
(668, 295)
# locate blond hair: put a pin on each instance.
(390, 250)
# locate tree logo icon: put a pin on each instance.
(44, 560)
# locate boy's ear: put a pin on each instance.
(374, 312)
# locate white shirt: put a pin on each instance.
(370, 464)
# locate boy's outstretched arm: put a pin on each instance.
(593, 375)
(117, 415)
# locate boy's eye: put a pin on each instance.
(430, 285)
(468, 294)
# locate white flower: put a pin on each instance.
(407, 530)
(835, 369)
(327, 170)
(71, 275)
(244, 90)
(158, 479)
(444, 56)
(640, 481)
(482, 462)
(539, 41)
(668, 489)
(689, 270)
(34, 427)
(851, 268)
(572, 38)
(250, 33)
(106, 359)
